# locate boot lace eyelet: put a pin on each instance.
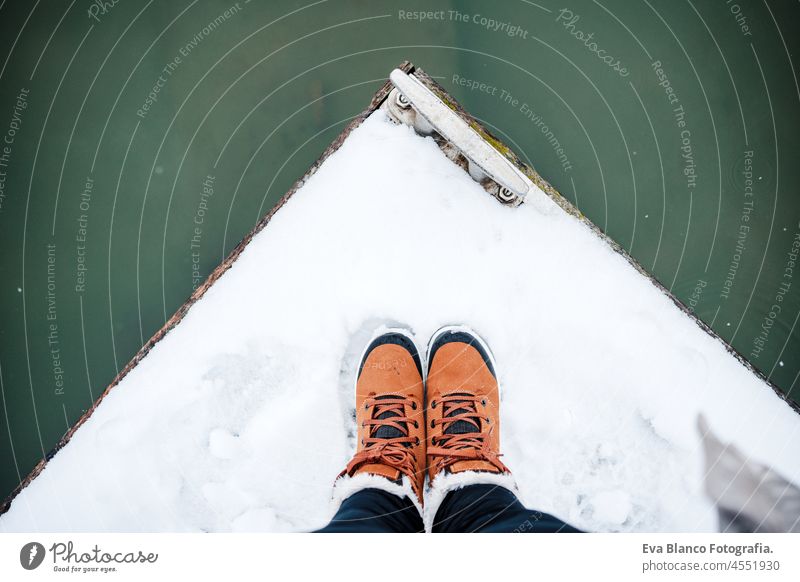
(413, 405)
(433, 404)
(483, 402)
(416, 424)
(417, 441)
(433, 423)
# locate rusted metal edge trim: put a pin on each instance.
(176, 318)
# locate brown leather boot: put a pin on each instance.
(389, 413)
(463, 406)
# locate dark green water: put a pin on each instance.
(681, 142)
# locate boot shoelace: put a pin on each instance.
(458, 442)
(388, 417)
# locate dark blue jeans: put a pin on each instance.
(476, 508)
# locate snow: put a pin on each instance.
(234, 422)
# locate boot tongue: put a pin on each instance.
(462, 426)
(386, 431)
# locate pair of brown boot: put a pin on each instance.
(445, 424)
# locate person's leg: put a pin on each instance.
(373, 510)
(492, 508)
(464, 466)
(382, 483)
